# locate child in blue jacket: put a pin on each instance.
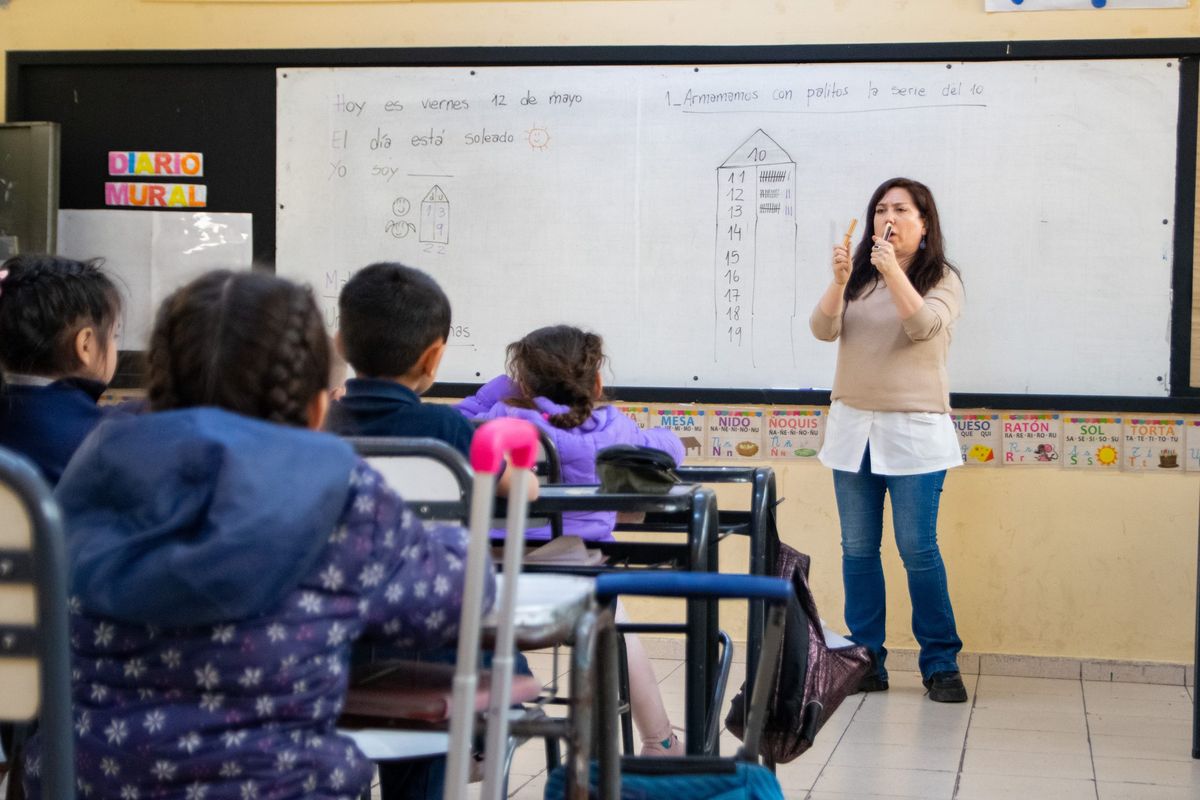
(59, 322)
(224, 555)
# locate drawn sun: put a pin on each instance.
(539, 138)
(1107, 455)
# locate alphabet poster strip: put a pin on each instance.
(639, 414)
(688, 424)
(795, 433)
(1152, 445)
(1092, 443)
(1032, 439)
(735, 433)
(979, 438)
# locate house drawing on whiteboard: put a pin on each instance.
(435, 217)
(756, 251)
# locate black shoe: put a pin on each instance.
(871, 682)
(946, 687)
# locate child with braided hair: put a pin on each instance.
(59, 324)
(225, 554)
(554, 380)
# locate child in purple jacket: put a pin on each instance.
(555, 383)
(224, 556)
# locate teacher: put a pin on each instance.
(892, 307)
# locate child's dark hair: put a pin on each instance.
(243, 341)
(559, 363)
(389, 315)
(44, 302)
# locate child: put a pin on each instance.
(224, 555)
(392, 329)
(556, 384)
(59, 322)
(393, 325)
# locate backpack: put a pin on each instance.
(812, 678)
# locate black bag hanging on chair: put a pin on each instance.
(631, 468)
(812, 678)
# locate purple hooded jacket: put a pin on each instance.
(576, 447)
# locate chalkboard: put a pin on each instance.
(224, 103)
(687, 213)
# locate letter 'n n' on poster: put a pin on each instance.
(795, 433)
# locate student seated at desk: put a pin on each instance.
(224, 556)
(394, 323)
(59, 322)
(554, 381)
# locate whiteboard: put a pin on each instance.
(153, 253)
(687, 213)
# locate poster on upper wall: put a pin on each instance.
(154, 254)
(1079, 5)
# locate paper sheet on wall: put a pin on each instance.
(688, 424)
(640, 414)
(1031, 439)
(1152, 444)
(1079, 5)
(979, 438)
(734, 433)
(1192, 442)
(795, 432)
(152, 254)
(1092, 443)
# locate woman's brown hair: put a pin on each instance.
(246, 342)
(559, 363)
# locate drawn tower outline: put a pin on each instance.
(755, 259)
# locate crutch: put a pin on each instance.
(492, 441)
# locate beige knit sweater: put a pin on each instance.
(885, 364)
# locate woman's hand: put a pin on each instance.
(883, 256)
(841, 265)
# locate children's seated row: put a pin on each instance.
(225, 553)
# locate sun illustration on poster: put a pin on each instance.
(1107, 455)
(539, 138)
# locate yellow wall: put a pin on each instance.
(1041, 563)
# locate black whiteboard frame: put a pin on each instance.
(1182, 398)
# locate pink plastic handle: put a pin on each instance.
(517, 437)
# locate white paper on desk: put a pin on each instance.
(150, 254)
(833, 639)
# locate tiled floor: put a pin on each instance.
(1024, 738)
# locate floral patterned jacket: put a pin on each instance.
(245, 707)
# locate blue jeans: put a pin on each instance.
(914, 517)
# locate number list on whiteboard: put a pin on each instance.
(687, 214)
